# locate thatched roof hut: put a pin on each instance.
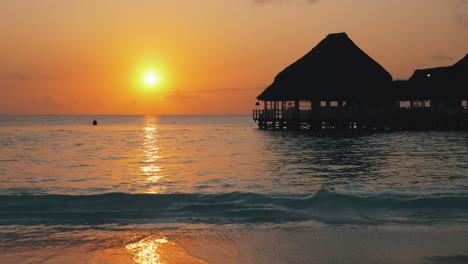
(440, 82)
(462, 64)
(335, 69)
(460, 71)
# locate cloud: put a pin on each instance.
(24, 77)
(186, 96)
(220, 90)
(47, 101)
(177, 95)
(441, 57)
(458, 4)
(461, 15)
(15, 76)
(462, 20)
(265, 2)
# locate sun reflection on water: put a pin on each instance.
(151, 155)
(147, 251)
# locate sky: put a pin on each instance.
(209, 56)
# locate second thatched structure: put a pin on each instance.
(434, 98)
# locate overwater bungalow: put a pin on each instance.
(338, 86)
(434, 98)
(335, 85)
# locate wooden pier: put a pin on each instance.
(403, 119)
(311, 120)
(336, 86)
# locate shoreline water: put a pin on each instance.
(288, 243)
(214, 189)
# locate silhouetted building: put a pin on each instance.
(335, 85)
(338, 86)
(434, 98)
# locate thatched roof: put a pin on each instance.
(431, 83)
(460, 70)
(433, 74)
(456, 71)
(335, 69)
(462, 64)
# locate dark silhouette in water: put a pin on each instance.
(338, 86)
(95, 123)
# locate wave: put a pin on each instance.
(323, 206)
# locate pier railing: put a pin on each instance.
(279, 114)
(293, 114)
(359, 118)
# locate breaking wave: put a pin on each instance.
(323, 206)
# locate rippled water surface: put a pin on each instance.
(219, 154)
(215, 189)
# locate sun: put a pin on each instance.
(151, 78)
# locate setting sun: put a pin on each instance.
(151, 78)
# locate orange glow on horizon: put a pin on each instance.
(208, 57)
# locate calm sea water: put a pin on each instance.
(215, 189)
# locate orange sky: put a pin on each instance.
(213, 56)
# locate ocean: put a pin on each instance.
(215, 189)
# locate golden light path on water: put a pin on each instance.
(154, 249)
(157, 249)
(147, 251)
(151, 155)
